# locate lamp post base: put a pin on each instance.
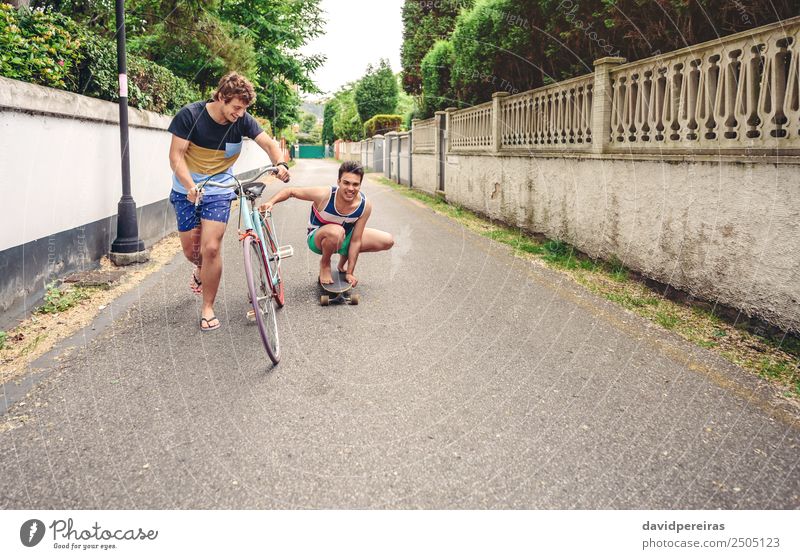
(128, 258)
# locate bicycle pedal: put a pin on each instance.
(285, 251)
(251, 315)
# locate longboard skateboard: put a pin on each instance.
(337, 292)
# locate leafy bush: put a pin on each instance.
(150, 86)
(437, 93)
(381, 124)
(423, 24)
(49, 49)
(38, 47)
(493, 54)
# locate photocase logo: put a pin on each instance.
(32, 532)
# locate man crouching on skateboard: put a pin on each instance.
(338, 222)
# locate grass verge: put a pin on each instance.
(775, 358)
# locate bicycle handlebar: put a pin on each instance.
(236, 182)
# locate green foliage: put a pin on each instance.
(328, 116)
(406, 106)
(381, 124)
(58, 299)
(201, 50)
(560, 255)
(201, 40)
(494, 52)
(517, 45)
(39, 47)
(48, 48)
(278, 29)
(3, 337)
(307, 122)
(346, 123)
(376, 92)
(437, 92)
(423, 24)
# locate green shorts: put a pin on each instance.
(343, 251)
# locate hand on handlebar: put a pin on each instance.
(192, 194)
(282, 173)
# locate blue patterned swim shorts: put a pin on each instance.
(215, 207)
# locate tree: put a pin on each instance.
(406, 104)
(437, 92)
(329, 114)
(188, 37)
(279, 28)
(376, 92)
(423, 24)
(201, 40)
(346, 124)
(516, 45)
(307, 123)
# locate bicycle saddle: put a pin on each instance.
(254, 189)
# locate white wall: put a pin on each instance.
(725, 230)
(61, 160)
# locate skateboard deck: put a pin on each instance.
(338, 291)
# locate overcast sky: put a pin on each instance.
(357, 33)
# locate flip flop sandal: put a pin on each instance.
(208, 327)
(195, 284)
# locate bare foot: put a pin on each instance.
(342, 266)
(325, 275)
(208, 321)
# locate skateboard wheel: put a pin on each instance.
(324, 300)
(354, 299)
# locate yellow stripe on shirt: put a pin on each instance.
(207, 161)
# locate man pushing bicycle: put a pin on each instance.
(337, 222)
(207, 139)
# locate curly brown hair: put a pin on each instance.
(233, 85)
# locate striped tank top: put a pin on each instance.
(329, 214)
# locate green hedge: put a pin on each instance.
(381, 124)
(40, 48)
(437, 93)
(47, 48)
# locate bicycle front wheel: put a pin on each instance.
(273, 263)
(261, 296)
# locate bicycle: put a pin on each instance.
(262, 254)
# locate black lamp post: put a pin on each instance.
(127, 248)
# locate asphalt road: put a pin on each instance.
(466, 378)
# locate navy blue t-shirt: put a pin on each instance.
(213, 147)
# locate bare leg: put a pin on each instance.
(210, 242)
(329, 239)
(374, 240)
(190, 242)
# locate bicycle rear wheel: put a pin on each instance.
(261, 297)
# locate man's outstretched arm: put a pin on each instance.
(315, 194)
(273, 150)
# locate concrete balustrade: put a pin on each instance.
(669, 164)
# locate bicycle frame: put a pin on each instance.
(256, 233)
(249, 217)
